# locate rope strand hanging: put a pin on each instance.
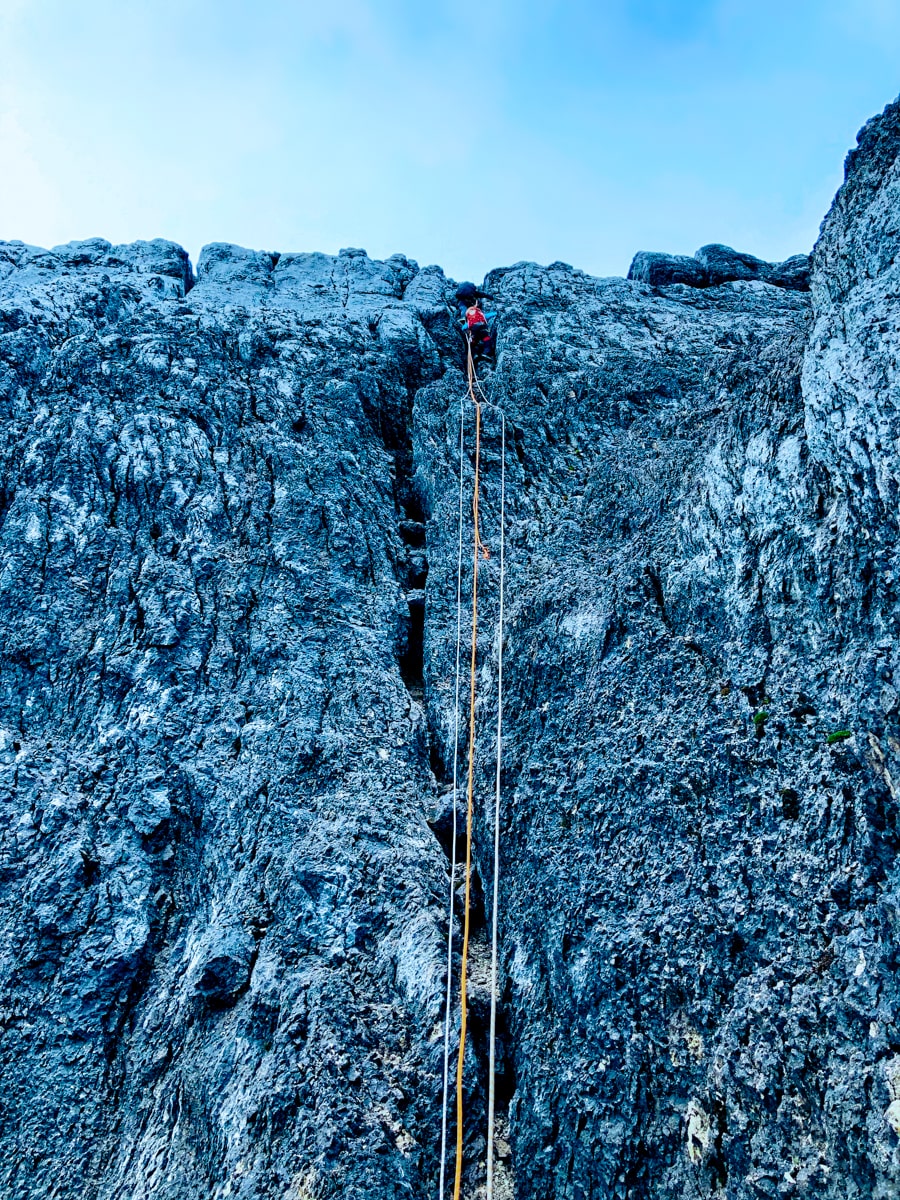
(478, 549)
(492, 1058)
(464, 964)
(449, 999)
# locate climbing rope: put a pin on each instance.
(459, 562)
(492, 1065)
(492, 1037)
(478, 547)
(464, 964)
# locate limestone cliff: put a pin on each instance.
(227, 637)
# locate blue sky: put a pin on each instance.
(464, 134)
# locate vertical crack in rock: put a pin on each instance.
(413, 536)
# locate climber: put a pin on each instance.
(476, 325)
(478, 331)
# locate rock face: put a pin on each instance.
(222, 944)
(228, 617)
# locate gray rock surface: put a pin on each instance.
(222, 949)
(227, 636)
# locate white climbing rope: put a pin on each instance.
(462, 425)
(489, 1194)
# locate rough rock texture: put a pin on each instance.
(227, 634)
(715, 264)
(222, 949)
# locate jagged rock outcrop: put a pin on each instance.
(227, 720)
(714, 264)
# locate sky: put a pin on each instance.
(466, 134)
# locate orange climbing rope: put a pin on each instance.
(477, 546)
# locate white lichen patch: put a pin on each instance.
(684, 1038)
(694, 1042)
(304, 1186)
